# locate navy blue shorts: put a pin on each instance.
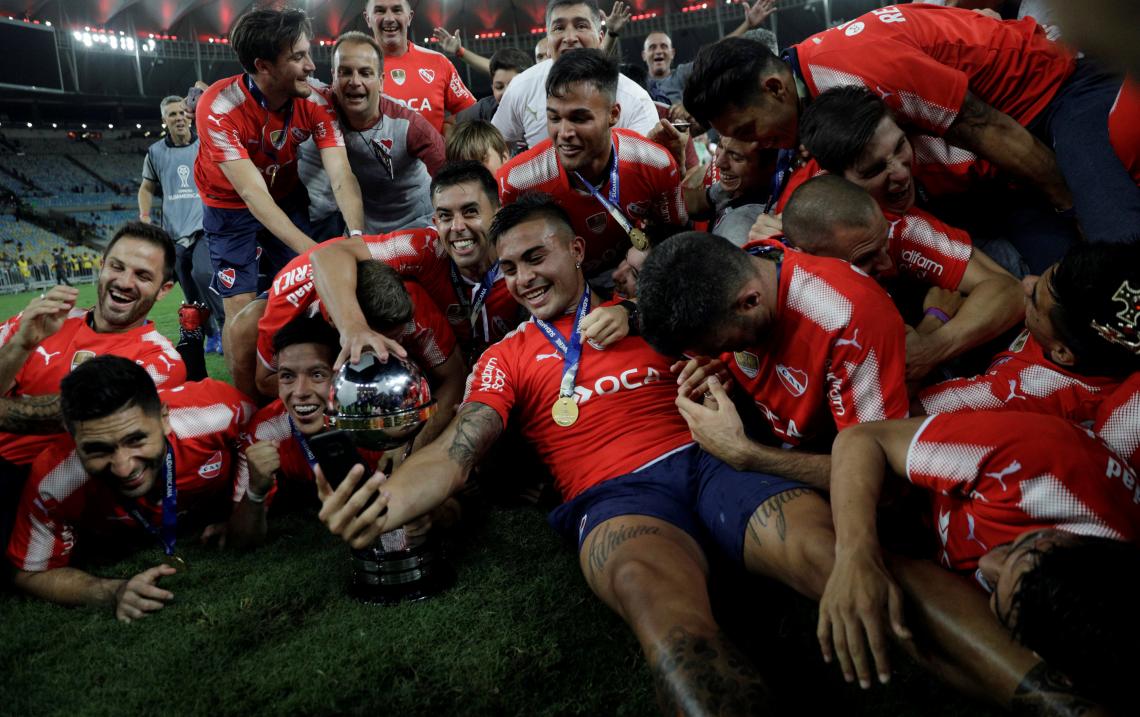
(241, 249)
(697, 492)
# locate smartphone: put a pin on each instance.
(680, 126)
(336, 454)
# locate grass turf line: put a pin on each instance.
(273, 632)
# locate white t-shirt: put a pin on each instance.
(522, 111)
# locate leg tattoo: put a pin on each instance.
(607, 540)
(706, 675)
(1046, 692)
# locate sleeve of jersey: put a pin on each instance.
(868, 364)
(670, 201)
(932, 250)
(425, 144)
(435, 341)
(458, 96)
(406, 252)
(148, 172)
(221, 140)
(322, 121)
(8, 329)
(162, 361)
(41, 539)
(492, 382)
(1118, 421)
(919, 89)
(507, 193)
(272, 321)
(945, 455)
(506, 118)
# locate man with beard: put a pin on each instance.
(422, 80)
(612, 182)
(49, 338)
(458, 266)
(143, 465)
(393, 151)
(251, 125)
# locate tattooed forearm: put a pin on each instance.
(706, 675)
(608, 538)
(771, 512)
(477, 427)
(33, 414)
(1046, 692)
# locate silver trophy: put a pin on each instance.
(382, 406)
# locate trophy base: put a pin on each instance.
(393, 576)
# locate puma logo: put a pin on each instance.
(1013, 392)
(853, 341)
(215, 120)
(47, 356)
(1008, 470)
(539, 357)
(970, 533)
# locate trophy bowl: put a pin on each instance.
(382, 405)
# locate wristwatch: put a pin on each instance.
(634, 316)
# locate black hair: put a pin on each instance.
(821, 205)
(306, 330)
(383, 299)
(838, 124)
(1076, 609)
(592, 5)
(464, 171)
(687, 288)
(727, 74)
(583, 65)
(528, 206)
(510, 58)
(264, 34)
(105, 385)
(1083, 286)
(152, 234)
(636, 71)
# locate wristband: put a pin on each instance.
(254, 497)
(937, 313)
(355, 232)
(634, 316)
(459, 52)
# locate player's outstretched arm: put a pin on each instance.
(344, 186)
(250, 186)
(995, 136)
(31, 415)
(421, 483)
(131, 599)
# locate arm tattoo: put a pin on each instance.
(771, 512)
(605, 541)
(974, 113)
(477, 427)
(31, 415)
(1048, 693)
(706, 675)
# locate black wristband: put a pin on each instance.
(634, 316)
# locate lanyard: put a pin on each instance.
(475, 305)
(310, 457)
(571, 349)
(612, 204)
(256, 92)
(783, 167)
(165, 533)
(771, 253)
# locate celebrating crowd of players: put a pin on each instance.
(810, 358)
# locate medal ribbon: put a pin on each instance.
(612, 204)
(310, 457)
(571, 349)
(256, 92)
(473, 306)
(165, 533)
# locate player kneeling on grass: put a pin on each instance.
(143, 465)
(1042, 513)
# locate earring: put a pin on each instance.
(577, 265)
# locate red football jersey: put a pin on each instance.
(74, 343)
(1021, 379)
(650, 185)
(923, 59)
(232, 124)
(425, 81)
(625, 397)
(419, 254)
(60, 499)
(1118, 420)
(990, 482)
(836, 343)
(427, 336)
(1124, 127)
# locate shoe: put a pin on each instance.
(191, 317)
(214, 344)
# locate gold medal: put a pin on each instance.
(177, 562)
(565, 411)
(639, 239)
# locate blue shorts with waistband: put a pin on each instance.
(688, 488)
(244, 254)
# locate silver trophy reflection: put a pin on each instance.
(382, 406)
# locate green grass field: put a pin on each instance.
(273, 632)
